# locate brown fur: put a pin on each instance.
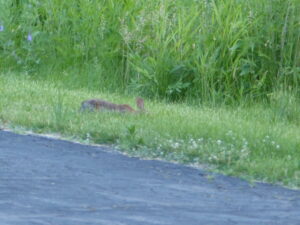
(102, 105)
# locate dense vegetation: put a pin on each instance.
(207, 50)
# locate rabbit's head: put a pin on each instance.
(140, 104)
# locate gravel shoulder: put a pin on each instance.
(49, 181)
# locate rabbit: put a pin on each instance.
(102, 105)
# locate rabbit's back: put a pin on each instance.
(94, 104)
(98, 104)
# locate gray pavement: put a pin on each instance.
(48, 181)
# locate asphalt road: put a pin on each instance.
(48, 181)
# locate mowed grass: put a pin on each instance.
(255, 142)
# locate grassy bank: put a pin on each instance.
(260, 141)
(230, 68)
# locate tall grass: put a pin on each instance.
(203, 49)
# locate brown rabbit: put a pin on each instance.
(98, 104)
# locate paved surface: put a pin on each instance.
(47, 181)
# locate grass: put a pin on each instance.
(210, 50)
(255, 142)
